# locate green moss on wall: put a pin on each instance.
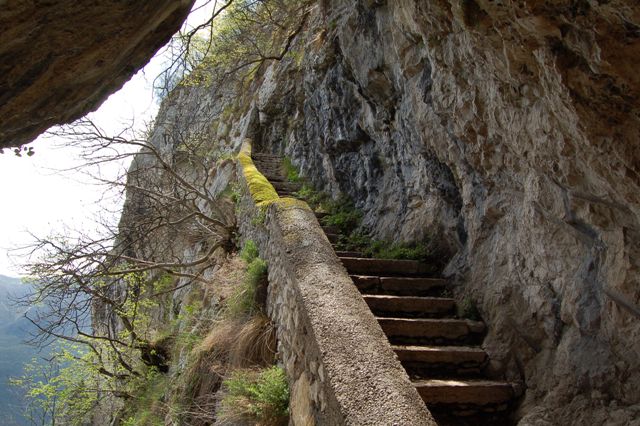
(262, 192)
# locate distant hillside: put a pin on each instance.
(10, 290)
(13, 352)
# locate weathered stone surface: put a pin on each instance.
(478, 392)
(441, 354)
(60, 60)
(366, 266)
(449, 330)
(421, 306)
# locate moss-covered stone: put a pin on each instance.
(261, 190)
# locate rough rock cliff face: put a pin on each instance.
(60, 60)
(510, 132)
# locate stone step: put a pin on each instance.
(330, 229)
(333, 238)
(268, 166)
(286, 186)
(387, 267)
(441, 354)
(272, 176)
(276, 174)
(464, 392)
(441, 361)
(343, 253)
(432, 330)
(399, 285)
(397, 306)
(266, 156)
(268, 163)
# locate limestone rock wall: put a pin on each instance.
(59, 60)
(509, 131)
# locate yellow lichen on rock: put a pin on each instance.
(261, 190)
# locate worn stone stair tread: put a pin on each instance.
(447, 328)
(262, 155)
(440, 354)
(409, 304)
(268, 167)
(267, 162)
(473, 392)
(397, 285)
(371, 266)
(286, 186)
(333, 238)
(330, 229)
(270, 176)
(344, 253)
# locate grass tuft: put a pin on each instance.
(247, 298)
(256, 396)
(292, 173)
(249, 252)
(384, 250)
(342, 214)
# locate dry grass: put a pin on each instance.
(232, 343)
(241, 342)
(239, 337)
(226, 279)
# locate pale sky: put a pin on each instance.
(36, 199)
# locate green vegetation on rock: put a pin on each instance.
(293, 175)
(208, 346)
(468, 309)
(258, 396)
(343, 215)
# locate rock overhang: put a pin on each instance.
(60, 60)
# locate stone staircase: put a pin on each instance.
(439, 351)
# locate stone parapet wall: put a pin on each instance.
(340, 365)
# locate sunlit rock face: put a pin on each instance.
(61, 59)
(511, 131)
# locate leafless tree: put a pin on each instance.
(93, 290)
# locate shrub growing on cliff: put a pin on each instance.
(232, 47)
(260, 396)
(342, 214)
